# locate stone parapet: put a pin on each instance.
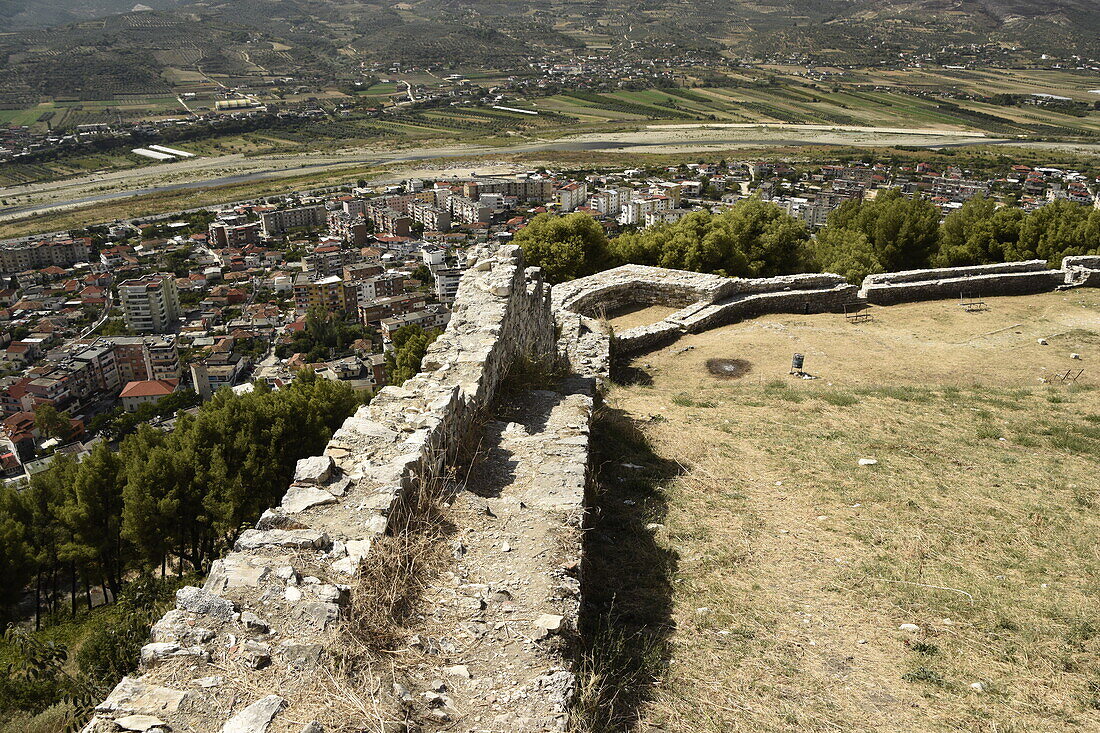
(232, 655)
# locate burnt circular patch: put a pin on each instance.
(728, 368)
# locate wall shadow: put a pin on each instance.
(626, 578)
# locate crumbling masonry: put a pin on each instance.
(237, 654)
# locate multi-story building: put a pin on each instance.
(277, 222)
(362, 270)
(665, 216)
(223, 235)
(446, 283)
(372, 313)
(326, 292)
(330, 258)
(570, 196)
(431, 317)
(610, 201)
(142, 358)
(524, 189)
(432, 217)
(388, 220)
(380, 286)
(150, 304)
(217, 371)
(635, 211)
(30, 255)
(353, 230)
(467, 210)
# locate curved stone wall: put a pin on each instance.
(719, 301)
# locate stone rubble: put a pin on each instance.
(229, 655)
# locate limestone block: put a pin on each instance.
(298, 539)
(196, 600)
(298, 498)
(313, 470)
(134, 696)
(257, 717)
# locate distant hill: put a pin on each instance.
(60, 51)
(21, 14)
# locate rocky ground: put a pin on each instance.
(490, 650)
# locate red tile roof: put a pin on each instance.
(150, 388)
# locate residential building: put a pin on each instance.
(150, 304)
(217, 371)
(380, 286)
(524, 189)
(221, 235)
(374, 312)
(135, 394)
(141, 358)
(330, 258)
(328, 293)
(432, 317)
(665, 216)
(433, 218)
(634, 212)
(31, 255)
(468, 211)
(571, 196)
(278, 222)
(386, 219)
(446, 283)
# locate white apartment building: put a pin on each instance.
(634, 212)
(446, 283)
(570, 196)
(610, 201)
(150, 304)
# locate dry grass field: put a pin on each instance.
(748, 574)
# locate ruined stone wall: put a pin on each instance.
(720, 301)
(606, 291)
(239, 655)
(1082, 271)
(1009, 278)
(715, 301)
(235, 654)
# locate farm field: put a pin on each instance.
(768, 581)
(801, 104)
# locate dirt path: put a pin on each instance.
(490, 652)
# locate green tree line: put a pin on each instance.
(162, 499)
(754, 238)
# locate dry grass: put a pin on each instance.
(352, 691)
(792, 567)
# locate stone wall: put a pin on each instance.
(1009, 278)
(606, 291)
(1082, 271)
(233, 654)
(238, 655)
(709, 301)
(719, 301)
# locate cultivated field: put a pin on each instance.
(749, 575)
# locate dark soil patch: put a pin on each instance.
(728, 368)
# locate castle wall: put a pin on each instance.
(236, 654)
(233, 653)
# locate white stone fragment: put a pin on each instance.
(313, 470)
(299, 498)
(140, 723)
(257, 717)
